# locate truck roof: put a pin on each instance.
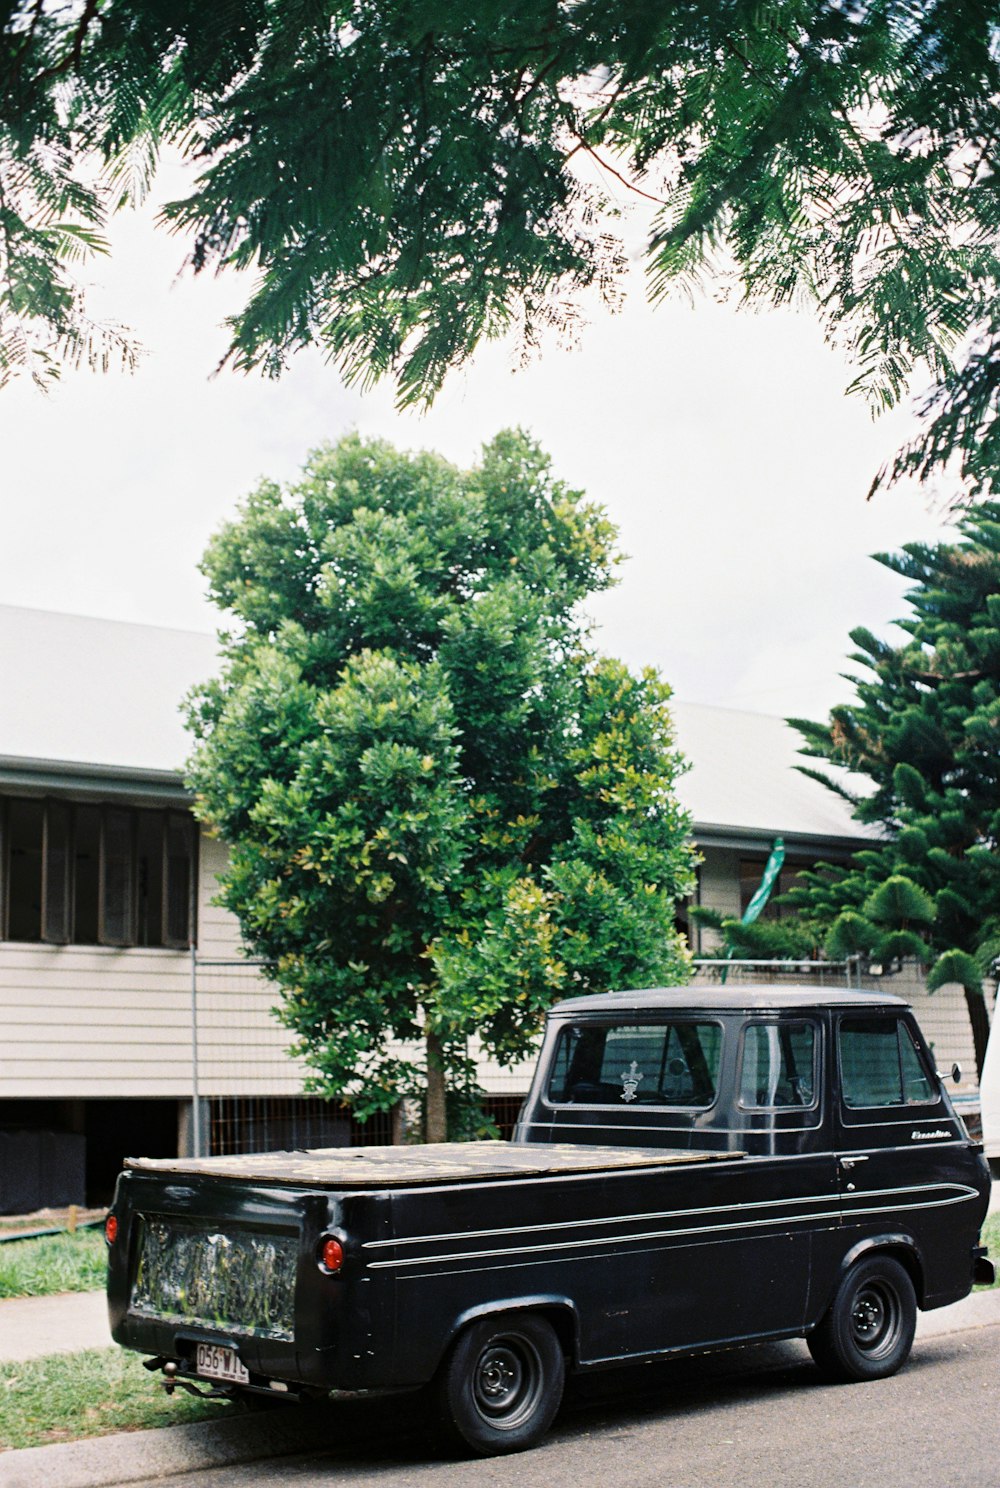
(702, 997)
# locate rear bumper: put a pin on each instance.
(983, 1269)
(265, 1358)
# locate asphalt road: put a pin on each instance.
(750, 1418)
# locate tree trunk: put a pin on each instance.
(436, 1118)
(398, 1116)
(980, 1020)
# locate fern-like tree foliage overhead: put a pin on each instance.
(402, 178)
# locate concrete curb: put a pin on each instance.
(168, 1451)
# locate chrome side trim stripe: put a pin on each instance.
(961, 1195)
(612, 1219)
(648, 1215)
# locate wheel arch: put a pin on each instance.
(900, 1246)
(558, 1310)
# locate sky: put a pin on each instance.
(721, 443)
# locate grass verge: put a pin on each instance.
(53, 1263)
(67, 1396)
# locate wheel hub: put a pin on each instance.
(868, 1317)
(875, 1319)
(499, 1377)
(507, 1382)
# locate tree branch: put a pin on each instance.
(72, 58)
(630, 185)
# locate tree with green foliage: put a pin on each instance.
(922, 739)
(443, 809)
(404, 178)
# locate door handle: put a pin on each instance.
(852, 1162)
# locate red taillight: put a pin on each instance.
(332, 1253)
(111, 1229)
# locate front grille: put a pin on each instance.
(240, 1281)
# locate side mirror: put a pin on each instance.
(956, 1073)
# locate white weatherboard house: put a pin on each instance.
(106, 884)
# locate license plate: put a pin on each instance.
(212, 1361)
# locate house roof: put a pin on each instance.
(100, 699)
(743, 781)
(95, 697)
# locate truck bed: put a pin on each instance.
(441, 1162)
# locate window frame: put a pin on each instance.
(187, 824)
(4, 871)
(128, 938)
(817, 1063)
(58, 898)
(6, 863)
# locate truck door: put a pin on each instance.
(740, 1263)
(901, 1149)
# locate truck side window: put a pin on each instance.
(880, 1064)
(661, 1064)
(779, 1065)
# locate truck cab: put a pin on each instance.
(761, 1070)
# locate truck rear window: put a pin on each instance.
(652, 1064)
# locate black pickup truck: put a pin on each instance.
(692, 1167)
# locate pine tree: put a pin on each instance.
(924, 732)
(443, 809)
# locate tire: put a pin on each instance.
(500, 1384)
(867, 1333)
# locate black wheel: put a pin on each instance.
(501, 1383)
(868, 1331)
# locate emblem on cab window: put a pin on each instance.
(630, 1081)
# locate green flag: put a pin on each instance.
(763, 892)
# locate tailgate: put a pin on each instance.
(238, 1280)
(230, 1263)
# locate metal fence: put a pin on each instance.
(813, 974)
(247, 1090)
